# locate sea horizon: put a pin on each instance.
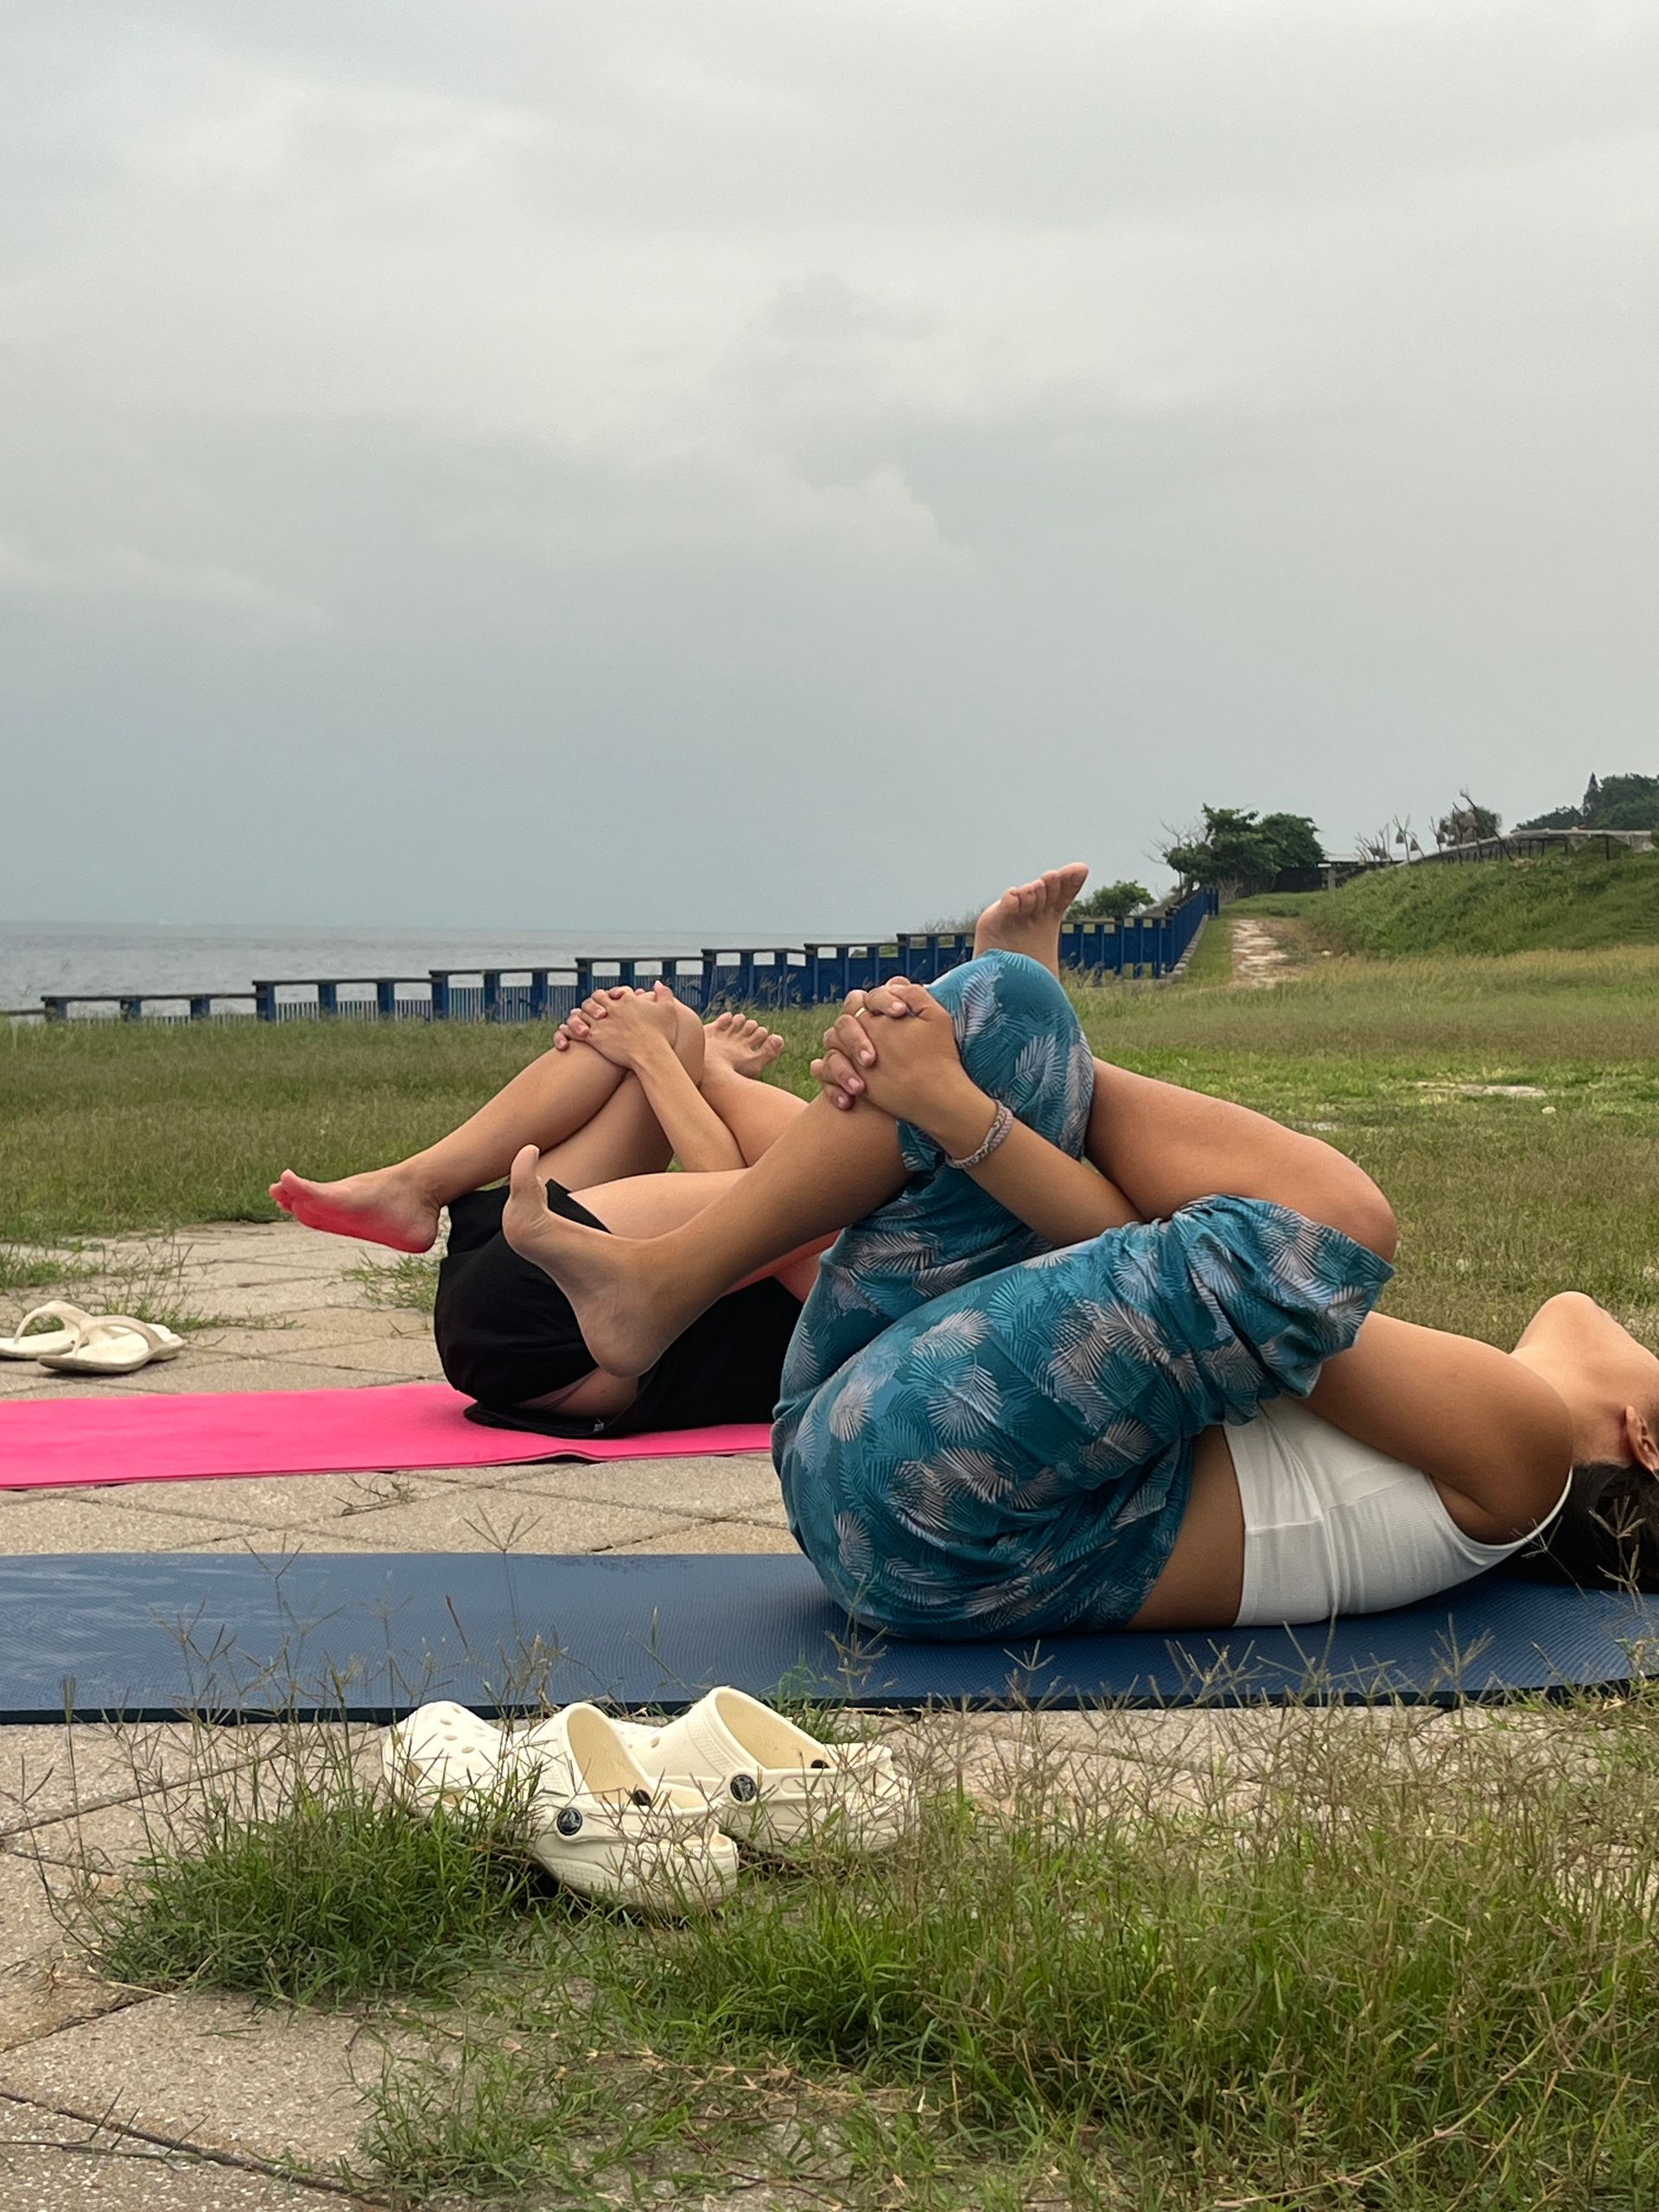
(161, 958)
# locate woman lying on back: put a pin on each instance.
(1099, 1352)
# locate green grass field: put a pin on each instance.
(1575, 904)
(114, 1129)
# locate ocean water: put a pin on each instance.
(38, 958)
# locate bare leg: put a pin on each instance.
(632, 1298)
(1164, 1147)
(549, 1103)
(736, 1051)
(652, 1205)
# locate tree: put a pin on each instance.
(1467, 823)
(1609, 802)
(1110, 902)
(1238, 851)
(1623, 803)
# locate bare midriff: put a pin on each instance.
(1203, 1580)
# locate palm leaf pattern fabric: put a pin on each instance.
(981, 1436)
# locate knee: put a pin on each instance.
(1006, 991)
(1378, 1231)
(1004, 1004)
(1359, 1209)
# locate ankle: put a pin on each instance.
(419, 1178)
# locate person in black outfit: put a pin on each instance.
(633, 1080)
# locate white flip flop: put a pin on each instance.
(769, 1783)
(46, 1342)
(113, 1343)
(596, 1821)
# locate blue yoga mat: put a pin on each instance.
(367, 1637)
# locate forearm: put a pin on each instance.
(1066, 1201)
(700, 1141)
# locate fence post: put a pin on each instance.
(386, 996)
(491, 996)
(440, 993)
(201, 1006)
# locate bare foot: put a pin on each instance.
(735, 1042)
(383, 1207)
(1027, 917)
(623, 1304)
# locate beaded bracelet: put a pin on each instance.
(1002, 1122)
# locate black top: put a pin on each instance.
(505, 1332)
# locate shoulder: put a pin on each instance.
(1509, 1473)
(1478, 1422)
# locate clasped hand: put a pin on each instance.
(895, 1045)
(620, 1023)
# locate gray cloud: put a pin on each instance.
(775, 466)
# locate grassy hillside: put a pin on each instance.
(1577, 903)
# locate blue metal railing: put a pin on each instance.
(819, 973)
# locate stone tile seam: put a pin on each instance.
(205, 2153)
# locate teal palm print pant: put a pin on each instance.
(981, 1436)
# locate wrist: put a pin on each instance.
(959, 1119)
(653, 1055)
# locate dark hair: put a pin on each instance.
(1606, 1534)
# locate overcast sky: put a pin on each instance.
(793, 463)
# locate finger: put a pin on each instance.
(852, 1040)
(832, 1090)
(839, 1070)
(853, 1004)
(575, 1029)
(886, 998)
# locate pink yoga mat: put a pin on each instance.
(57, 1441)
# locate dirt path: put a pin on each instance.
(1261, 958)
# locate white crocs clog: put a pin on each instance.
(609, 1829)
(769, 1783)
(443, 1754)
(595, 1820)
(46, 1342)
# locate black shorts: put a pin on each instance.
(505, 1332)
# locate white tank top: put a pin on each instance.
(1331, 1526)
